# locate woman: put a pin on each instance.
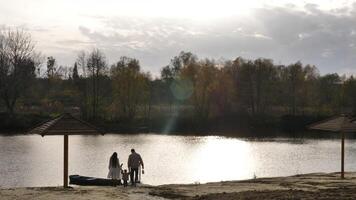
(114, 169)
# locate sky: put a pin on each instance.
(317, 32)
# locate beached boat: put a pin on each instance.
(85, 180)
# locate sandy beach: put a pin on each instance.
(307, 186)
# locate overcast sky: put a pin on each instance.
(319, 32)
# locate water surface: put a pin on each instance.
(33, 160)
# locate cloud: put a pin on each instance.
(285, 34)
(313, 36)
(66, 42)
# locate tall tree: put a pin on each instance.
(350, 93)
(96, 65)
(131, 89)
(17, 66)
(295, 77)
(203, 87)
(329, 95)
(75, 74)
(51, 67)
(83, 84)
(255, 84)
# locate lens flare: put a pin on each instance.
(182, 89)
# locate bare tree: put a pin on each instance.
(17, 65)
(82, 83)
(82, 63)
(96, 66)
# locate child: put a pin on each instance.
(125, 177)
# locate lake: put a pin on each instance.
(32, 160)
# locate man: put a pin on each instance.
(134, 163)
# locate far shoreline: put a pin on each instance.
(251, 134)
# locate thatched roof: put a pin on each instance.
(65, 124)
(341, 123)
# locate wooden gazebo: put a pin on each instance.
(65, 124)
(340, 124)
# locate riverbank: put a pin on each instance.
(238, 125)
(306, 186)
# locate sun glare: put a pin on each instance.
(230, 155)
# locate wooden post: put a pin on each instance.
(65, 162)
(342, 154)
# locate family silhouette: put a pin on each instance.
(134, 164)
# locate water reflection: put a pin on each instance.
(222, 159)
(36, 161)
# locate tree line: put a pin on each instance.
(189, 94)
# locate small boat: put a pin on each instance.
(85, 180)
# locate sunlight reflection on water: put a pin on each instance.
(35, 161)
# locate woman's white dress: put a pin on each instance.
(114, 171)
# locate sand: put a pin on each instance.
(307, 186)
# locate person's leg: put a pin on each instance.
(132, 176)
(136, 175)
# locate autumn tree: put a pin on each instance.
(255, 81)
(293, 81)
(131, 90)
(223, 90)
(350, 93)
(203, 75)
(329, 93)
(172, 72)
(309, 95)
